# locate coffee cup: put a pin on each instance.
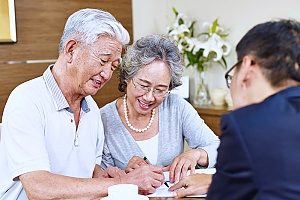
(124, 192)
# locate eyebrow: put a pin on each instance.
(146, 81)
(118, 59)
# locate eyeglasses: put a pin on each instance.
(228, 77)
(146, 89)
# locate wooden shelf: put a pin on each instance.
(212, 115)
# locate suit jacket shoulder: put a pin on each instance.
(258, 144)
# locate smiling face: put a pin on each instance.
(145, 89)
(93, 65)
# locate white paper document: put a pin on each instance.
(162, 191)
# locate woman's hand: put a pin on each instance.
(185, 161)
(134, 163)
(147, 177)
(195, 184)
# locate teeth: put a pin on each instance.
(144, 105)
(97, 82)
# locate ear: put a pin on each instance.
(69, 50)
(247, 71)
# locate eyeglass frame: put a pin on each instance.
(228, 77)
(147, 89)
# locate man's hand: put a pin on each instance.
(195, 184)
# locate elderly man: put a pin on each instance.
(52, 134)
(257, 158)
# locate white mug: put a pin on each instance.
(124, 192)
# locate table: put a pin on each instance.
(170, 198)
(211, 115)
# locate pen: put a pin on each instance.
(148, 162)
(146, 159)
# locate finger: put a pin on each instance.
(156, 169)
(127, 170)
(132, 160)
(114, 172)
(178, 185)
(178, 170)
(121, 172)
(140, 162)
(172, 170)
(135, 160)
(136, 165)
(156, 183)
(105, 175)
(146, 191)
(184, 192)
(157, 176)
(193, 166)
(184, 169)
(166, 168)
(132, 167)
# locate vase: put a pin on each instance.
(183, 90)
(201, 90)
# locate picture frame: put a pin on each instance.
(7, 21)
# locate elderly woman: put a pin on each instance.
(148, 121)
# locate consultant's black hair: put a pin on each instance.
(275, 46)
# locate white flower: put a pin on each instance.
(178, 30)
(215, 44)
(208, 26)
(209, 46)
(191, 43)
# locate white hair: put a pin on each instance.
(88, 24)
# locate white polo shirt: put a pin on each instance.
(39, 133)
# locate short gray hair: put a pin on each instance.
(88, 24)
(146, 50)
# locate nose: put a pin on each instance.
(149, 96)
(106, 72)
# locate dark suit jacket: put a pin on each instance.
(259, 154)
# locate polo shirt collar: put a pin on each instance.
(57, 95)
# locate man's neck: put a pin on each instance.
(66, 85)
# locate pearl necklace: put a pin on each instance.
(130, 125)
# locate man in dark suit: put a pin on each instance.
(258, 157)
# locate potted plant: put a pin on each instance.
(200, 50)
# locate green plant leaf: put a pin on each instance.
(191, 28)
(175, 11)
(225, 63)
(180, 21)
(214, 26)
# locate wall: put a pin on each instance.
(153, 16)
(39, 27)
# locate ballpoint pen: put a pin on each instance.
(148, 162)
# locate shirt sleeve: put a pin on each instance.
(100, 142)
(23, 135)
(107, 159)
(198, 134)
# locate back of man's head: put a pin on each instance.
(86, 25)
(275, 46)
